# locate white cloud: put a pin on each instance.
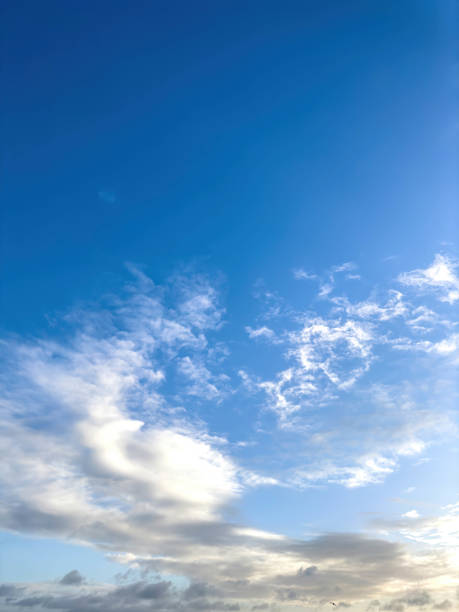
(283, 396)
(347, 266)
(440, 532)
(445, 347)
(300, 274)
(440, 276)
(325, 289)
(110, 448)
(202, 382)
(370, 469)
(326, 354)
(260, 332)
(412, 514)
(325, 346)
(369, 309)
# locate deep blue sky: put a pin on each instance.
(258, 135)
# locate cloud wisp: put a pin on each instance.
(440, 277)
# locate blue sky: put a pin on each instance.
(229, 306)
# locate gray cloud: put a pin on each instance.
(198, 590)
(136, 597)
(10, 590)
(142, 590)
(72, 578)
(307, 571)
(419, 599)
(443, 605)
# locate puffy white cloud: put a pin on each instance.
(93, 447)
(411, 514)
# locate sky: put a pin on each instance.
(229, 333)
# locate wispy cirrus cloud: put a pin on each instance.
(440, 277)
(260, 332)
(330, 358)
(301, 274)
